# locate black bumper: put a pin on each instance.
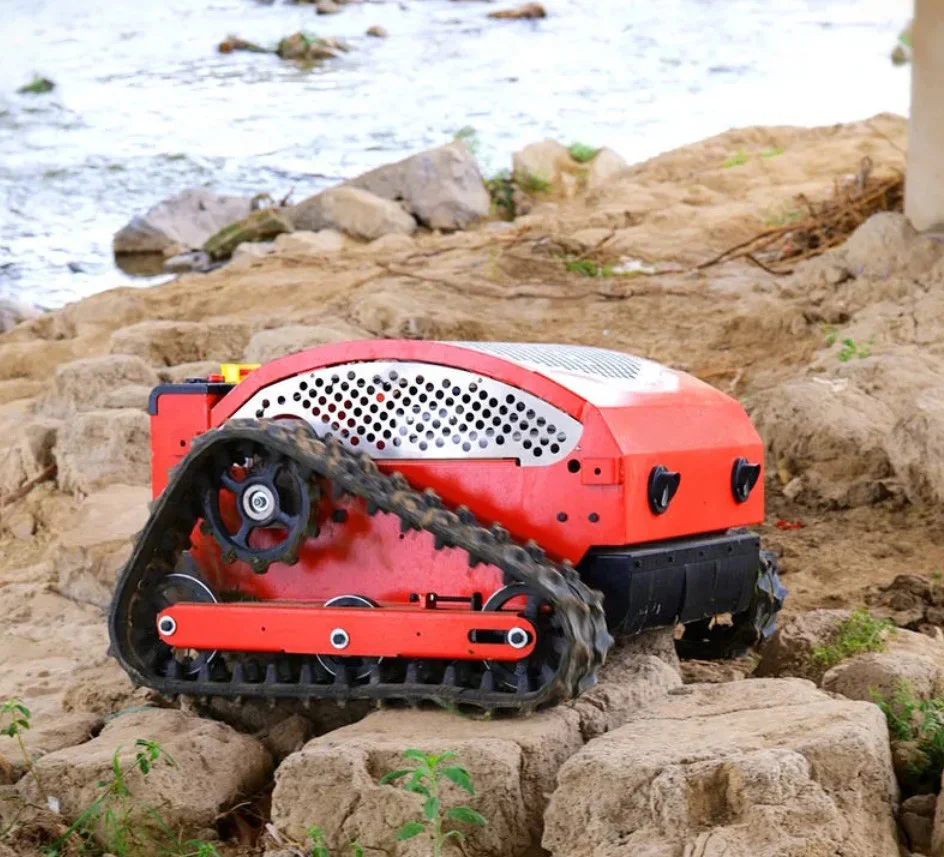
(651, 586)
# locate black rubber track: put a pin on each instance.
(576, 609)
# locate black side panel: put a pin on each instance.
(681, 581)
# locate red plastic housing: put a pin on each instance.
(596, 497)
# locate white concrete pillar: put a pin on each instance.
(924, 183)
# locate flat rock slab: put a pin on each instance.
(756, 768)
(214, 768)
(333, 782)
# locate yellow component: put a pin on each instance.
(233, 373)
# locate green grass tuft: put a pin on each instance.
(858, 634)
(37, 86)
(736, 160)
(533, 183)
(582, 153)
(772, 153)
(919, 724)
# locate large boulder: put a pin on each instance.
(911, 658)
(96, 543)
(442, 187)
(831, 434)
(356, 212)
(214, 767)
(84, 385)
(183, 222)
(168, 343)
(303, 243)
(99, 448)
(259, 226)
(266, 345)
(750, 769)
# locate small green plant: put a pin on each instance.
(469, 137)
(319, 848)
(736, 160)
(588, 268)
(582, 153)
(426, 779)
(116, 822)
(850, 349)
(920, 723)
(14, 721)
(532, 182)
(772, 152)
(501, 188)
(937, 576)
(781, 217)
(37, 86)
(831, 334)
(856, 635)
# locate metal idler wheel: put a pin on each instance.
(339, 640)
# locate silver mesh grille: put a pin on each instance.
(568, 358)
(394, 409)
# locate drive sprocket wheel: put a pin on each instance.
(705, 641)
(271, 492)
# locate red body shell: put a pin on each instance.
(596, 497)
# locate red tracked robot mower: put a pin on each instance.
(458, 522)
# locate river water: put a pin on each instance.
(145, 107)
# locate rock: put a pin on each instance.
(261, 225)
(909, 601)
(86, 384)
(167, 343)
(403, 315)
(513, 763)
(735, 769)
(287, 736)
(96, 543)
(307, 48)
(393, 244)
(235, 43)
(443, 187)
(357, 212)
(887, 243)
(602, 168)
(916, 817)
(909, 657)
(19, 524)
(547, 161)
(327, 7)
(14, 312)
(103, 689)
(916, 445)
(377, 32)
(832, 434)
(192, 261)
(183, 222)
(637, 671)
(529, 10)
(266, 345)
(790, 651)
(215, 767)
(128, 396)
(793, 489)
(98, 448)
(310, 243)
(29, 453)
(715, 672)
(47, 736)
(252, 250)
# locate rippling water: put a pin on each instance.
(145, 106)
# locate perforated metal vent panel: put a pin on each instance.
(395, 409)
(568, 358)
